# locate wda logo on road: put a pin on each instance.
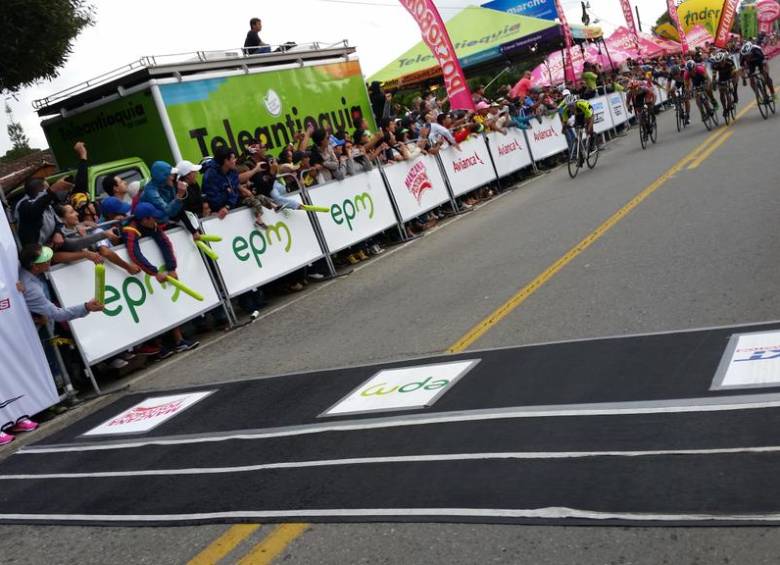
(403, 388)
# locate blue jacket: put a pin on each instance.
(219, 189)
(159, 194)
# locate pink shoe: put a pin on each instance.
(24, 425)
(5, 438)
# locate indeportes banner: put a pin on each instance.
(727, 15)
(629, 15)
(26, 384)
(676, 21)
(568, 65)
(435, 36)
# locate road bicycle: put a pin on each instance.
(764, 100)
(708, 114)
(584, 150)
(648, 127)
(678, 99)
(726, 89)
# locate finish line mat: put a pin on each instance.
(675, 428)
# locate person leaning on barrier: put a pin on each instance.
(253, 45)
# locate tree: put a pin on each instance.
(20, 142)
(37, 38)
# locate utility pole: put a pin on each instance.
(638, 19)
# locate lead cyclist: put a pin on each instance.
(752, 59)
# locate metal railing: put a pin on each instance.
(189, 57)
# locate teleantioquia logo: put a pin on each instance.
(381, 389)
(417, 181)
(133, 295)
(467, 162)
(273, 103)
(347, 211)
(257, 243)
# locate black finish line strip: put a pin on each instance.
(674, 406)
(383, 460)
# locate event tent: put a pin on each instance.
(479, 35)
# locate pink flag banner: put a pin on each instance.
(676, 21)
(435, 36)
(629, 15)
(727, 15)
(569, 72)
(767, 12)
(698, 36)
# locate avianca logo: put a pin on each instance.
(509, 148)
(5, 403)
(545, 134)
(466, 162)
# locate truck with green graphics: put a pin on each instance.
(182, 107)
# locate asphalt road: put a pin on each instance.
(700, 251)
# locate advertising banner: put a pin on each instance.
(435, 36)
(404, 388)
(250, 256)
(750, 360)
(618, 108)
(468, 168)
(359, 208)
(272, 106)
(543, 9)
(510, 152)
(602, 118)
(728, 13)
(628, 14)
(671, 6)
(417, 186)
(546, 138)
(568, 64)
(767, 11)
(748, 22)
(26, 385)
(137, 306)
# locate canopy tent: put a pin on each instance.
(479, 35)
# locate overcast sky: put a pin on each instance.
(124, 32)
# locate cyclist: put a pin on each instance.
(727, 72)
(676, 87)
(581, 111)
(640, 93)
(752, 59)
(696, 77)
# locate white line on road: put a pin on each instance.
(520, 455)
(673, 406)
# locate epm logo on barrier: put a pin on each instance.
(133, 295)
(348, 210)
(258, 243)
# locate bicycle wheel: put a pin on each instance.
(760, 90)
(653, 129)
(733, 104)
(642, 131)
(593, 153)
(713, 115)
(678, 114)
(704, 108)
(574, 158)
(727, 107)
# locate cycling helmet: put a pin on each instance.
(690, 65)
(747, 47)
(675, 70)
(718, 57)
(569, 99)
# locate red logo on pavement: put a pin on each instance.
(140, 413)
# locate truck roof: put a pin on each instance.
(182, 64)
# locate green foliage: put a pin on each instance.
(16, 153)
(37, 38)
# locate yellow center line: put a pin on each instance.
(710, 150)
(224, 544)
(285, 534)
(527, 291)
(276, 542)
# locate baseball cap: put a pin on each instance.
(186, 167)
(113, 205)
(482, 105)
(146, 210)
(45, 256)
(336, 141)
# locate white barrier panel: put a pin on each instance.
(250, 256)
(137, 306)
(468, 168)
(618, 107)
(417, 186)
(359, 208)
(546, 138)
(510, 152)
(602, 119)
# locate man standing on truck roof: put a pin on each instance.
(253, 45)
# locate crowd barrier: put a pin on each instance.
(139, 308)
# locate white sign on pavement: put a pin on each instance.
(250, 256)
(750, 360)
(417, 186)
(469, 167)
(404, 388)
(137, 306)
(359, 208)
(510, 152)
(545, 138)
(148, 414)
